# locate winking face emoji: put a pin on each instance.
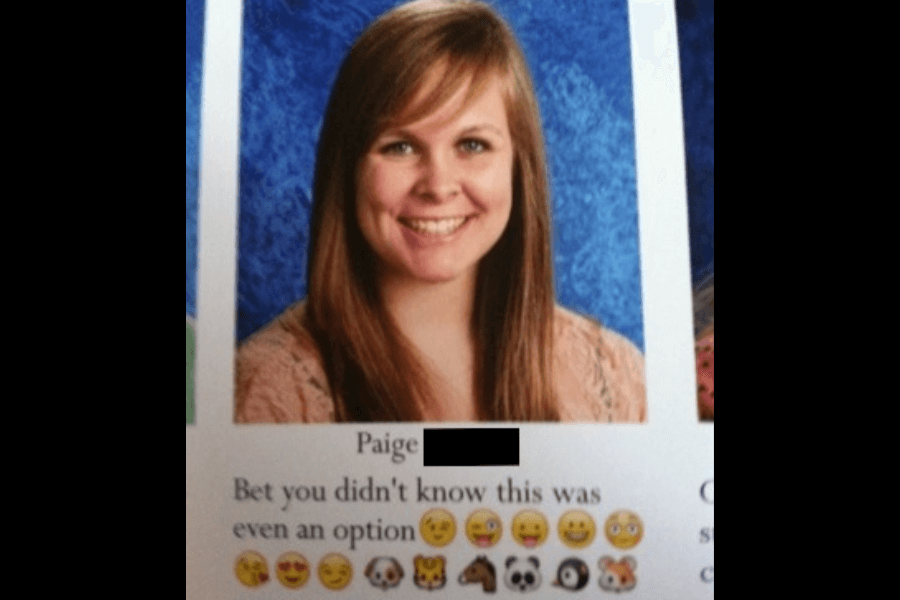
(483, 528)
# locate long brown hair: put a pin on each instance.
(374, 372)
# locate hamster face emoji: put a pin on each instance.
(522, 574)
(292, 570)
(431, 572)
(624, 529)
(335, 572)
(576, 529)
(437, 527)
(483, 528)
(251, 569)
(384, 572)
(529, 528)
(617, 576)
(572, 574)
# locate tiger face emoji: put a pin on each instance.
(431, 572)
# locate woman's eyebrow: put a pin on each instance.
(401, 133)
(480, 127)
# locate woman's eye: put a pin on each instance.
(473, 146)
(398, 148)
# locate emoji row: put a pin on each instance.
(530, 528)
(335, 572)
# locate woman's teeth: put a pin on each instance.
(434, 226)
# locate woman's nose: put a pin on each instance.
(439, 180)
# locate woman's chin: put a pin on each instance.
(432, 274)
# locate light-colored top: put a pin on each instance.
(599, 375)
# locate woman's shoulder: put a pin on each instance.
(279, 376)
(600, 373)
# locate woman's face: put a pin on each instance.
(434, 196)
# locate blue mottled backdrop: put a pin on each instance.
(193, 65)
(579, 54)
(696, 40)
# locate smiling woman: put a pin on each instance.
(430, 283)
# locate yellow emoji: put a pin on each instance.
(576, 529)
(624, 529)
(437, 527)
(529, 528)
(483, 528)
(335, 571)
(292, 569)
(251, 569)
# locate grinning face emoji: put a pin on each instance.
(576, 529)
(335, 571)
(251, 569)
(483, 528)
(624, 529)
(292, 569)
(529, 528)
(437, 527)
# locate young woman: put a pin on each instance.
(430, 271)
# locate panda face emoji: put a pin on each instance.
(572, 574)
(522, 574)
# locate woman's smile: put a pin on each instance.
(434, 227)
(435, 195)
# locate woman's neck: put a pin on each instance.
(437, 319)
(427, 309)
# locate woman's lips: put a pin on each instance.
(434, 227)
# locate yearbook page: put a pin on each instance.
(449, 299)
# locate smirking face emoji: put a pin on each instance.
(483, 528)
(335, 571)
(624, 529)
(251, 569)
(529, 528)
(437, 527)
(292, 569)
(576, 529)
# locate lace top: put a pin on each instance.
(599, 375)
